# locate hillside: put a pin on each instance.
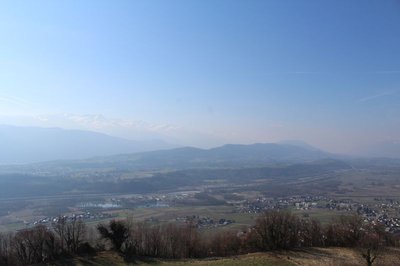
(312, 256)
(34, 144)
(227, 156)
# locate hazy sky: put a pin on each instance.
(209, 72)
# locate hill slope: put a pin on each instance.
(231, 155)
(310, 256)
(34, 144)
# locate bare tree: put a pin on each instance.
(371, 244)
(70, 233)
(277, 230)
(224, 244)
(347, 231)
(33, 245)
(6, 249)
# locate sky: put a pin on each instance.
(204, 73)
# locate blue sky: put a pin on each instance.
(327, 72)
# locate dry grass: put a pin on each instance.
(338, 256)
(312, 257)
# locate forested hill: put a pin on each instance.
(231, 156)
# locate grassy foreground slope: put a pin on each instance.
(110, 258)
(311, 256)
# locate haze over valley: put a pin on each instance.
(179, 132)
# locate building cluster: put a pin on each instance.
(155, 200)
(204, 222)
(262, 204)
(379, 211)
(86, 216)
(387, 214)
(383, 211)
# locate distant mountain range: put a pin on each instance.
(387, 149)
(227, 156)
(35, 144)
(20, 145)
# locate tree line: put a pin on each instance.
(273, 230)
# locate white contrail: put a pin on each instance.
(379, 95)
(14, 100)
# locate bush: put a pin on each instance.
(116, 232)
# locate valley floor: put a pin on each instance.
(311, 256)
